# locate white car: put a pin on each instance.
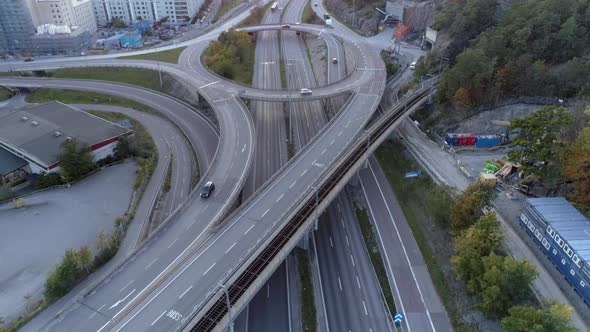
(413, 65)
(305, 92)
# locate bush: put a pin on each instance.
(49, 180)
(6, 193)
(552, 316)
(63, 277)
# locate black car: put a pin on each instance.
(207, 189)
(29, 59)
(326, 16)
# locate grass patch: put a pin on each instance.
(376, 259)
(232, 56)
(83, 97)
(309, 16)
(284, 10)
(411, 196)
(170, 56)
(5, 93)
(135, 76)
(35, 310)
(283, 68)
(225, 6)
(256, 15)
(308, 305)
(168, 181)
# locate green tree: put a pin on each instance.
(551, 317)
(123, 149)
(540, 148)
(468, 207)
(63, 277)
(504, 283)
(6, 193)
(118, 23)
(75, 160)
(479, 240)
(440, 201)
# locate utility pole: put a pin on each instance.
(289, 91)
(231, 322)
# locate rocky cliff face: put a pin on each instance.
(366, 18)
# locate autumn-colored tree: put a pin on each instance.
(462, 98)
(84, 258)
(468, 207)
(551, 317)
(471, 245)
(576, 170)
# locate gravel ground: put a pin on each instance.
(33, 239)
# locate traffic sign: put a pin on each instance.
(398, 318)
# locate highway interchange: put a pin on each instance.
(211, 257)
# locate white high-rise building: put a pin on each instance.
(77, 14)
(177, 11)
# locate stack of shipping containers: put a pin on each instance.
(563, 234)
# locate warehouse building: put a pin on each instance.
(563, 234)
(36, 135)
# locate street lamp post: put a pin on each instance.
(231, 322)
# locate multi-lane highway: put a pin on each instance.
(159, 288)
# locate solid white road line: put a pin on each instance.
(209, 269)
(157, 319)
(208, 84)
(246, 232)
(150, 264)
(184, 293)
(121, 300)
(129, 283)
(230, 247)
(339, 283)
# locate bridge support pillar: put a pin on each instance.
(304, 243)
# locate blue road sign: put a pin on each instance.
(413, 174)
(398, 318)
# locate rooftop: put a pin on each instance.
(37, 132)
(10, 162)
(565, 219)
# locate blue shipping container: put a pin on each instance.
(452, 139)
(487, 141)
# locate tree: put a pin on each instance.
(123, 149)
(6, 193)
(63, 277)
(440, 201)
(118, 23)
(540, 149)
(479, 240)
(84, 258)
(576, 170)
(468, 207)
(504, 283)
(551, 317)
(75, 161)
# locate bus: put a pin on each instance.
(274, 6)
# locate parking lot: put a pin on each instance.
(34, 238)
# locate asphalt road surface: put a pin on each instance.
(268, 310)
(414, 293)
(158, 267)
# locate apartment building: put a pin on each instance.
(16, 26)
(177, 11)
(76, 14)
